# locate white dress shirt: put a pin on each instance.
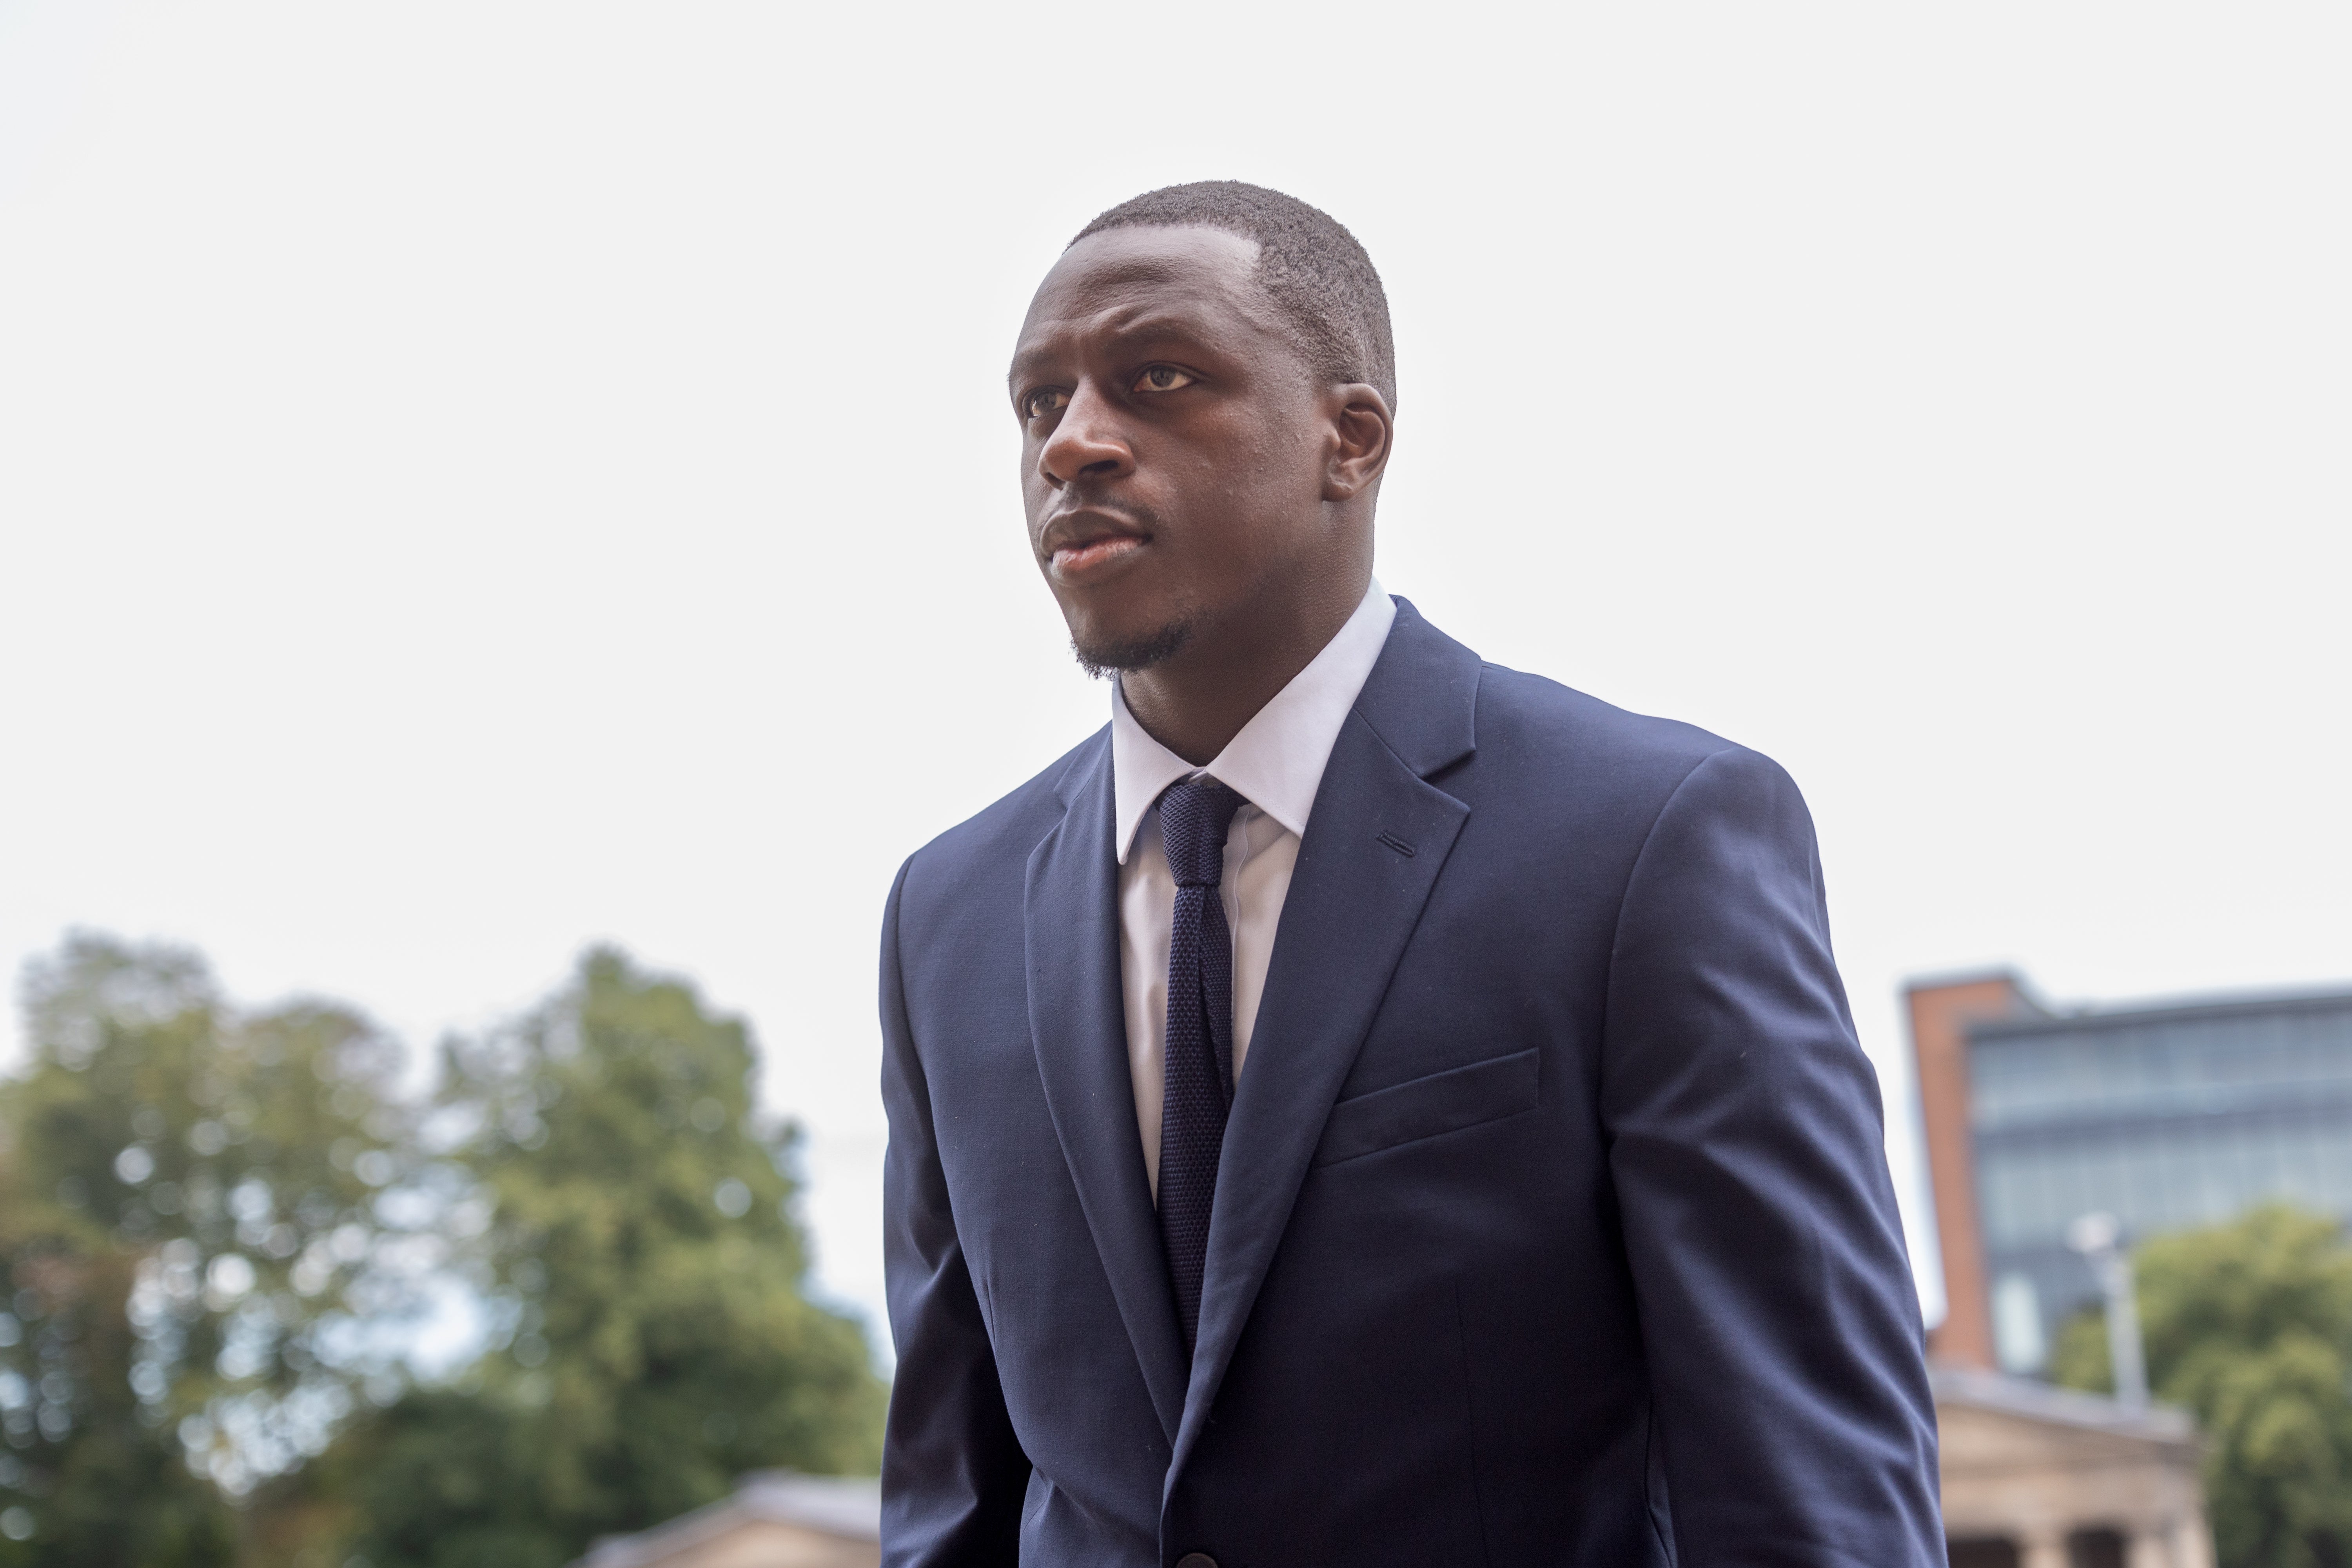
(1276, 765)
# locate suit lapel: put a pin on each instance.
(1077, 1020)
(1378, 837)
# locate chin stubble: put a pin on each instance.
(1102, 659)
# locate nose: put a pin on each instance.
(1087, 442)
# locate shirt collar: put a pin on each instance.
(1276, 762)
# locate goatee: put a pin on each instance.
(1100, 659)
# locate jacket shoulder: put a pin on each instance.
(1627, 766)
(1529, 713)
(1010, 826)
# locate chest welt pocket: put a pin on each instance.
(1425, 1107)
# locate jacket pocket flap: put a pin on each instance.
(1425, 1107)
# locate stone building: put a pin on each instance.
(2036, 1477)
(775, 1520)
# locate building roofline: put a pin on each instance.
(2169, 1009)
(849, 1507)
(2033, 1401)
(1974, 974)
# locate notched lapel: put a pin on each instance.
(1377, 840)
(1077, 1020)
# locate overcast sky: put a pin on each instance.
(479, 479)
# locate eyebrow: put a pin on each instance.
(1150, 323)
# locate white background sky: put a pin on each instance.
(477, 479)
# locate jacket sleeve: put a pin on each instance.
(1794, 1424)
(954, 1475)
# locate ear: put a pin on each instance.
(1362, 429)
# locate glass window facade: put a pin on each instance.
(2167, 1120)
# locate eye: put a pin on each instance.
(1037, 404)
(1162, 378)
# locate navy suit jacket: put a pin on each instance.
(1553, 1223)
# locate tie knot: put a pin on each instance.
(1194, 818)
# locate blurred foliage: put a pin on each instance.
(2249, 1325)
(189, 1221)
(657, 1344)
(218, 1229)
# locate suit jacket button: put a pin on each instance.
(1196, 1559)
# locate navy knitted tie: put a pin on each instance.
(1194, 818)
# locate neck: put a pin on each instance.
(1195, 701)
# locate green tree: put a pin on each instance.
(645, 1275)
(2249, 1324)
(188, 1208)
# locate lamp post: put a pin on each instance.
(2098, 1238)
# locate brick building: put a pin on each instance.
(2168, 1116)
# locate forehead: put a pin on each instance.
(1199, 282)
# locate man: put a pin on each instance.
(1364, 1105)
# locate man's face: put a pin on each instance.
(1174, 442)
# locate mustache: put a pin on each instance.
(1078, 497)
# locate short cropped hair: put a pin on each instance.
(1311, 268)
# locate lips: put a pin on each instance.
(1076, 558)
(1083, 544)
